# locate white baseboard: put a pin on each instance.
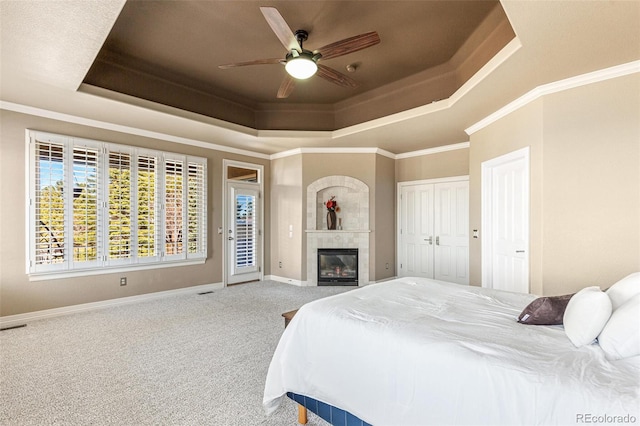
(286, 280)
(19, 319)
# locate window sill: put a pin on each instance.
(112, 270)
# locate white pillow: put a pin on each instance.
(620, 338)
(624, 290)
(586, 315)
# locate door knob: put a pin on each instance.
(429, 240)
(230, 238)
(438, 240)
(519, 251)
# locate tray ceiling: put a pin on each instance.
(168, 52)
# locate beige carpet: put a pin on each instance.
(181, 360)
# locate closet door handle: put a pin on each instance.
(429, 240)
(438, 241)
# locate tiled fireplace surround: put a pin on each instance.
(352, 196)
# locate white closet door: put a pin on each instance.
(416, 231)
(433, 231)
(451, 215)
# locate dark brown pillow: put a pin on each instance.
(545, 310)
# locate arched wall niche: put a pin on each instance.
(352, 196)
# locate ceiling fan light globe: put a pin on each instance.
(301, 67)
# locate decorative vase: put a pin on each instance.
(331, 219)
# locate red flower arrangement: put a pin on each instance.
(332, 208)
(332, 204)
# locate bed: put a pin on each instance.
(416, 351)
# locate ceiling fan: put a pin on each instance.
(301, 63)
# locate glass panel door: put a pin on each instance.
(243, 233)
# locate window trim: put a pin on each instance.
(104, 263)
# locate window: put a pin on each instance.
(95, 205)
(245, 230)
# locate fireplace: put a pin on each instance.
(337, 266)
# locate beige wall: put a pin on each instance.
(585, 184)
(591, 172)
(286, 180)
(292, 175)
(359, 166)
(287, 208)
(19, 295)
(438, 165)
(585, 199)
(517, 130)
(384, 220)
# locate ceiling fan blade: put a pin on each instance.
(280, 28)
(336, 77)
(286, 87)
(256, 62)
(349, 45)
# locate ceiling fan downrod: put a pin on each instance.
(301, 36)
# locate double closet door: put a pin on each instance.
(433, 234)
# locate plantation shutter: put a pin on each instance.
(95, 205)
(48, 206)
(245, 231)
(196, 210)
(84, 200)
(174, 208)
(146, 211)
(119, 247)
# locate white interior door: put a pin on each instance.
(243, 233)
(433, 234)
(416, 231)
(451, 216)
(505, 207)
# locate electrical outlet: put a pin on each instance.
(386, 266)
(279, 264)
(123, 281)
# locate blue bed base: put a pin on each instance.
(333, 415)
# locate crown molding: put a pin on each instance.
(420, 153)
(555, 87)
(505, 53)
(264, 135)
(300, 151)
(68, 118)
(431, 151)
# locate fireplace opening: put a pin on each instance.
(337, 266)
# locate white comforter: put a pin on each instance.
(417, 352)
